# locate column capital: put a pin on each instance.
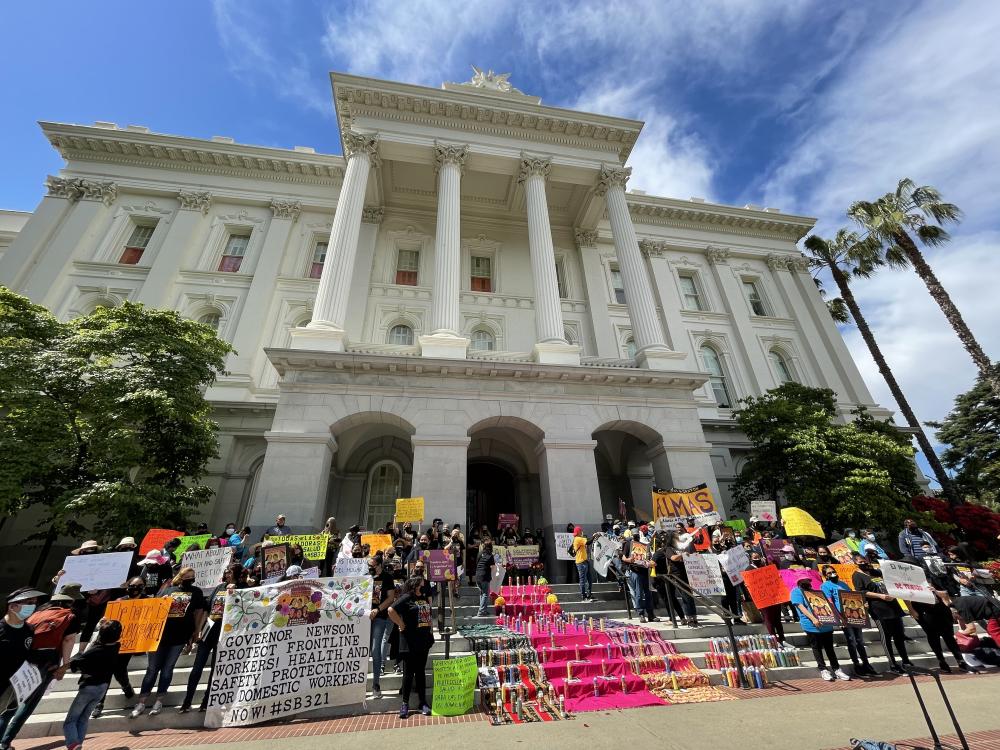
(77, 188)
(612, 176)
(62, 187)
(799, 265)
(361, 143)
(652, 248)
(286, 209)
(776, 262)
(372, 214)
(585, 237)
(446, 153)
(717, 256)
(533, 165)
(194, 201)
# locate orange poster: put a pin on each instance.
(846, 572)
(156, 538)
(765, 586)
(142, 622)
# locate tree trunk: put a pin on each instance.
(954, 317)
(897, 393)
(43, 556)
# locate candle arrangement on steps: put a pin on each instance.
(758, 651)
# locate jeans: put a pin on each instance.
(381, 627)
(583, 571)
(821, 642)
(25, 710)
(484, 597)
(78, 716)
(161, 662)
(638, 584)
(415, 671)
(207, 648)
(856, 646)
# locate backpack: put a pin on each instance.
(572, 547)
(871, 745)
(49, 626)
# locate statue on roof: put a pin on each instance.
(489, 80)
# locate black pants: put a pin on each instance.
(772, 621)
(821, 642)
(415, 671)
(934, 638)
(121, 676)
(892, 634)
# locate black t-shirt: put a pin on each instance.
(14, 646)
(483, 563)
(154, 576)
(662, 565)
(457, 548)
(880, 609)
(384, 584)
(181, 617)
(418, 622)
(973, 608)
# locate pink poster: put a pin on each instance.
(792, 576)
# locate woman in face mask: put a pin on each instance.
(15, 644)
(770, 615)
(135, 588)
(185, 618)
(411, 613)
(832, 586)
(820, 635)
(868, 544)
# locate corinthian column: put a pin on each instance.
(326, 331)
(445, 339)
(551, 345)
(651, 349)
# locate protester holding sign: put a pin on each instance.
(820, 634)
(134, 589)
(411, 613)
(15, 646)
(936, 622)
(667, 559)
(636, 556)
(188, 609)
(884, 609)
(832, 588)
(582, 565)
(767, 591)
(383, 596)
(155, 571)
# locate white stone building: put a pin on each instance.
(468, 305)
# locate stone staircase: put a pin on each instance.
(608, 602)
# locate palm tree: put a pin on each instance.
(846, 255)
(891, 221)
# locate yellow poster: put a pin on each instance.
(693, 501)
(313, 545)
(142, 623)
(409, 510)
(799, 523)
(376, 542)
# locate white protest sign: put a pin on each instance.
(603, 551)
(209, 565)
(104, 570)
(906, 582)
(499, 568)
(25, 681)
(349, 567)
(735, 561)
(563, 541)
(310, 573)
(764, 510)
(289, 648)
(704, 574)
(707, 519)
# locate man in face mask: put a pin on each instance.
(868, 544)
(425, 544)
(912, 538)
(279, 528)
(15, 645)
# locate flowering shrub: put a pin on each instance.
(980, 526)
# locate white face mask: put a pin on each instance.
(25, 611)
(870, 537)
(851, 534)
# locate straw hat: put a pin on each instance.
(88, 545)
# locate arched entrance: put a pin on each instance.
(491, 490)
(630, 460)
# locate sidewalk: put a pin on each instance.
(800, 715)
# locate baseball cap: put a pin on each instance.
(293, 570)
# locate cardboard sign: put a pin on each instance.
(602, 551)
(409, 510)
(377, 542)
(852, 609)
(734, 562)
(563, 541)
(791, 576)
(142, 623)
(187, 542)
(454, 685)
(313, 545)
(350, 567)
(906, 582)
(765, 586)
(840, 551)
(156, 538)
(800, 523)
(440, 565)
(500, 567)
(275, 562)
(821, 608)
(764, 510)
(704, 574)
(846, 573)
(291, 647)
(523, 555)
(707, 519)
(25, 681)
(688, 503)
(507, 519)
(209, 565)
(105, 570)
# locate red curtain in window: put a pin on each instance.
(316, 271)
(406, 278)
(230, 263)
(131, 256)
(482, 284)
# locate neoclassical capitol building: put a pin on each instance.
(468, 305)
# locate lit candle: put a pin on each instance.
(569, 670)
(577, 650)
(603, 668)
(673, 678)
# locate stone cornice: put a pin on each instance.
(531, 165)
(357, 96)
(749, 222)
(88, 143)
(612, 177)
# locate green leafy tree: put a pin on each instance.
(855, 474)
(972, 433)
(104, 427)
(891, 222)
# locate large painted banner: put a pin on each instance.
(291, 647)
(689, 503)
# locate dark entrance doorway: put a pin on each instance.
(490, 490)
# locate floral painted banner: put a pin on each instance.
(291, 647)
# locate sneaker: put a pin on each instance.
(425, 710)
(399, 668)
(943, 667)
(98, 710)
(896, 669)
(139, 710)
(642, 618)
(184, 708)
(826, 675)
(840, 674)
(654, 619)
(377, 693)
(404, 711)
(156, 709)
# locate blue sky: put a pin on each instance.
(804, 105)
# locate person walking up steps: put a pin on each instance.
(582, 563)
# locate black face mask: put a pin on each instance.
(187, 585)
(833, 578)
(135, 590)
(823, 555)
(424, 545)
(371, 571)
(805, 585)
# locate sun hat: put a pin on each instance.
(23, 594)
(89, 544)
(153, 557)
(68, 592)
(293, 570)
(127, 541)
